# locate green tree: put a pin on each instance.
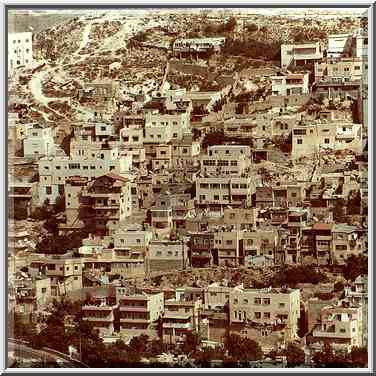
(328, 358)
(230, 24)
(251, 28)
(59, 205)
(139, 344)
(191, 343)
(242, 349)
(355, 266)
(295, 355)
(339, 210)
(359, 357)
(52, 225)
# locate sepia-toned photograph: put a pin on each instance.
(187, 187)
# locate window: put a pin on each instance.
(293, 194)
(326, 140)
(257, 300)
(341, 247)
(245, 301)
(229, 242)
(299, 141)
(357, 67)
(266, 301)
(185, 151)
(216, 197)
(234, 163)
(342, 330)
(266, 315)
(281, 305)
(257, 315)
(202, 197)
(103, 128)
(213, 294)
(235, 301)
(48, 190)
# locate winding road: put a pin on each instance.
(23, 352)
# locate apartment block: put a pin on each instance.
(38, 142)
(291, 84)
(139, 313)
(341, 326)
(20, 50)
(166, 255)
(226, 160)
(105, 201)
(101, 315)
(218, 192)
(181, 317)
(300, 54)
(54, 171)
(273, 309)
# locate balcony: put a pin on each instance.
(97, 308)
(99, 319)
(108, 207)
(177, 325)
(133, 309)
(134, 321)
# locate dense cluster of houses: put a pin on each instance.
(159, 201)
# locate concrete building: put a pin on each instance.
(32, 294)
(349, 69)
(290, 84)
(139, 313)
(101, 315)
(20, 50)
(226, 160)
(348, 45)
(341, 326)
(259, 247)
(166, 255)
(345, 242)
(218, 192)
(54, 171)
(228, 247)
(201, 245)
(196, 45)
(217, 295)
(38, 142)
(181, 317)
(185, 153)
(241, 218)
(105, 201)
(273, 309)
(339, 45)
(65, 272)
(300, 54)
(312, 138)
